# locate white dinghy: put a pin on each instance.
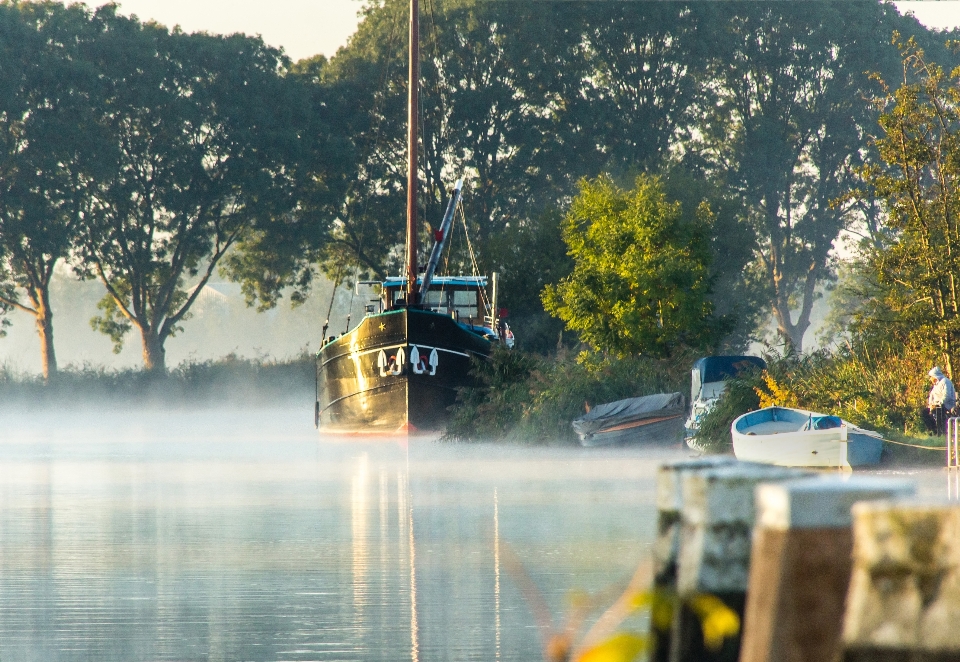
(800, 438)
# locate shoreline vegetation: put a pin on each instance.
(880, 392)
(229, 381)
(525, 398)
(650, 229)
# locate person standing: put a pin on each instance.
(941, 401)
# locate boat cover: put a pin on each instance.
(718, 368)
(621, 412)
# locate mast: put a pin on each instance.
(413, 104)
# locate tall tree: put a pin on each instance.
(523, 99)
(910, 272)
(49, 151)
(202, 129)
(789, 130)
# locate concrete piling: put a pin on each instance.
(717, 517)
(669, 502)
(904, 599)
(801, 563)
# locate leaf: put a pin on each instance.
(717, 620)
(624, 647)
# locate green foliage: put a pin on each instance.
(737, 290)
(530, 399)
(528, 257)
(788, 129)
(882, 391)
(879, 391)
(50, 146)
(492, 408)
(640, 282)
(111, 322)
(739, 398)
(177, 193)
(908, 275)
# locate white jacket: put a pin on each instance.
(942, 395)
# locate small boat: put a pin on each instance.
(800, 438)
(652, 419)
(708, 383)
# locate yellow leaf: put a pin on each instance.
(717, 620)
(661, 611)
(623, 647)
(661, 607)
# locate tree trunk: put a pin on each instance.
(48, 356)
(791, 333)
(43, 318)
(154, 355)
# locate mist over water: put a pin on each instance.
(244, 535)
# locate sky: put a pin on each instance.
(302, 27)
(307, 27)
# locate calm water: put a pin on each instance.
(246, 536)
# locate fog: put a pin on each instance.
(221, 324)
(228, 535)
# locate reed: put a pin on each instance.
(228, 381)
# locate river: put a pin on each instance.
(245, 535)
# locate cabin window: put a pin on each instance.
(465, 303)
(439, 301)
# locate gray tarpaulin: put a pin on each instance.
(627, 411)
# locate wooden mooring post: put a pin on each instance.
(953, 458)
(800, 566)
(904, 598)
(666, 548)
(717, 517)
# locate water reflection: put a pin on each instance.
(237, 535)
(240, 536)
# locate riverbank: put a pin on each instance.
(230, 381)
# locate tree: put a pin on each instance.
(789, 131)
(49, 144)
(909, 275)
(202, 131)
(640, 282)
(522, 102)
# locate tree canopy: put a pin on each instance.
(149, 158)
(908, 278)
(640, 283)
(49, 146)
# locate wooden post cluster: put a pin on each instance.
(801, 562)
(717, 517)
(667, 546)
(904, 599)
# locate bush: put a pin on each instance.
(885, 392)
(739, 397)
(524, 398)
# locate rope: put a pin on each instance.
(925, 448)
(473, 257)
(333, 296)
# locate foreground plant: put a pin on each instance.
(607, 639)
